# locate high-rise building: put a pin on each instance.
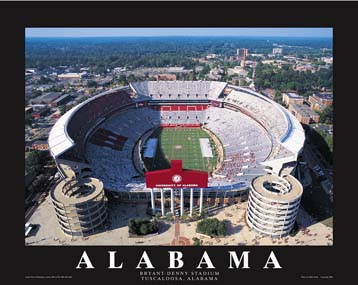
(277, 51)
(242, 53)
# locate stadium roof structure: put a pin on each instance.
(59, 141)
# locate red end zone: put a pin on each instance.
(180, 125)
(176, 177)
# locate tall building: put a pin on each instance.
(277, 51)
(242, 53)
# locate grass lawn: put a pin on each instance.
(183, 144)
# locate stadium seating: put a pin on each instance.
(177, 90)
(87, 116)
(249, 128)
(262, 110)
(245, 142)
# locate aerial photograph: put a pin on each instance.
(179, 136)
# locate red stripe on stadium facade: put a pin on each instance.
(176, 177)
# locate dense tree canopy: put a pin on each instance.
(102, 53)
(34, 161)
(326, 116)
(142, 226)
(211, 227)
(285, 78)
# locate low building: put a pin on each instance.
(327, 60)
(71, 76)
(118, 70)
(39, 110)
(61, 100)
(44, 87)
(211, 56)
(104, 81)
(39, 145)
(292, 98)
(301, 67)
(46, 98)
(199, 68)
(269, 93)
(319, 101)
(214, 74)
(237, 70)
(31, 70)
(166, 77)
(177, 69)
(303, 113)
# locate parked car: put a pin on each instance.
(28, 229)
(317, 168)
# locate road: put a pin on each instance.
(311, 158)
(37, 200)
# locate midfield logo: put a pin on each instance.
(176, 178)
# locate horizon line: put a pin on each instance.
(181, 36)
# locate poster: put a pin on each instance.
(246, 107)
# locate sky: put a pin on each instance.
(117, 32)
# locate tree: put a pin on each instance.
(143, 229)
(92, 84)
(197, 242)
(211, 227)
(44, 80)
(62, 109)
(259, 82)
(28, 119)
(36, 93)
(34, 162)
(267, 83)
(142, 226)
(326, 116)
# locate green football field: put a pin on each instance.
(182, 144)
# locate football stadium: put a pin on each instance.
(247, 143)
